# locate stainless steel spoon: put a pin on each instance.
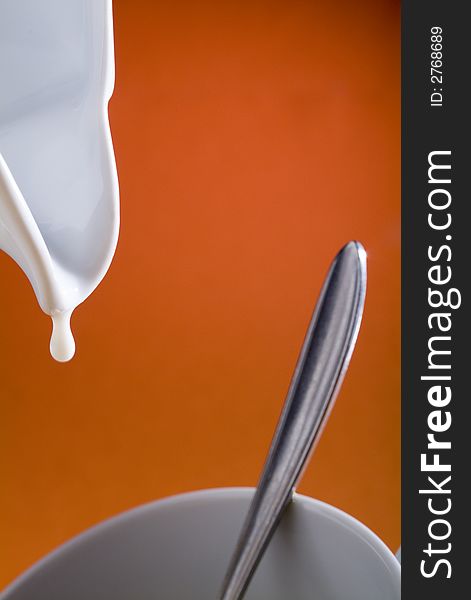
(317, 378)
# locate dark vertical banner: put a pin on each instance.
(436, 202)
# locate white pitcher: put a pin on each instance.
(59, 203)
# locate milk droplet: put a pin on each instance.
(62, 344)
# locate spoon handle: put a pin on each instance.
(322, 363)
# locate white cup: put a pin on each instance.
(179, 548)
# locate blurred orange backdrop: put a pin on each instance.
(252, 139)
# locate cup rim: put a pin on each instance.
(202, 495)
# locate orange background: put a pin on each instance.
(252, 139)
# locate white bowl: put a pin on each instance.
(178, 549)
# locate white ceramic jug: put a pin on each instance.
(59, 204)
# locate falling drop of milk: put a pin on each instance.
(62, 344)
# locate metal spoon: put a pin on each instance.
(317, 378)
